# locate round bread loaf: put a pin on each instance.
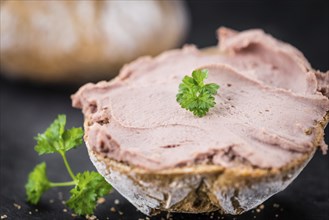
(269, 119)
(81, 41)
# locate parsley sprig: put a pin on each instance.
(196, 96)
(88, 186)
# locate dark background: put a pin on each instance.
(28, 108)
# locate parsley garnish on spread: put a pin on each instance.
(88, 186)
(194, 95)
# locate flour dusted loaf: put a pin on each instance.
(268, 121)
(80, 41)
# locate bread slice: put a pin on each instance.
(201, 188)
(204, 185)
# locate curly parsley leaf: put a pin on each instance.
(72, 138)
(194, 95)
(90, 186)
(37, 183)
(56, 138)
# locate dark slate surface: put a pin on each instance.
(27, 109)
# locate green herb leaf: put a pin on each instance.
(90, 186)
(194, 95)
(72, 138)
(56, 138)
(37, 183)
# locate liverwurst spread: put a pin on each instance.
(268, 105)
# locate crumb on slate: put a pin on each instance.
(113, 209)
(101, 200)
(36, 210)
(17, 206)
(91, 217)
(30, 212)
(4, 216)
(64, 210)
(117, 202)
(275, 205)
(120, 213)
(51, 201)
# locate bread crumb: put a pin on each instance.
(17, 206)
(275, 205)
(261, 206)
(4, 216)
(113, 209)
(147, 218)
(63, 202)
(30, 212)
(120, 213)
(36, 210)
(91, 217)
(107, 218)
(101, 200)
(276, 215)
(117, 202)
(74, 215)
(258, 210)
(51, 201)
(64, 210)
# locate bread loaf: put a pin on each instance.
(81, 41)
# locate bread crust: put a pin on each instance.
(82, 41)
(202, 188)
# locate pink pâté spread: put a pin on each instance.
(269, 102)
